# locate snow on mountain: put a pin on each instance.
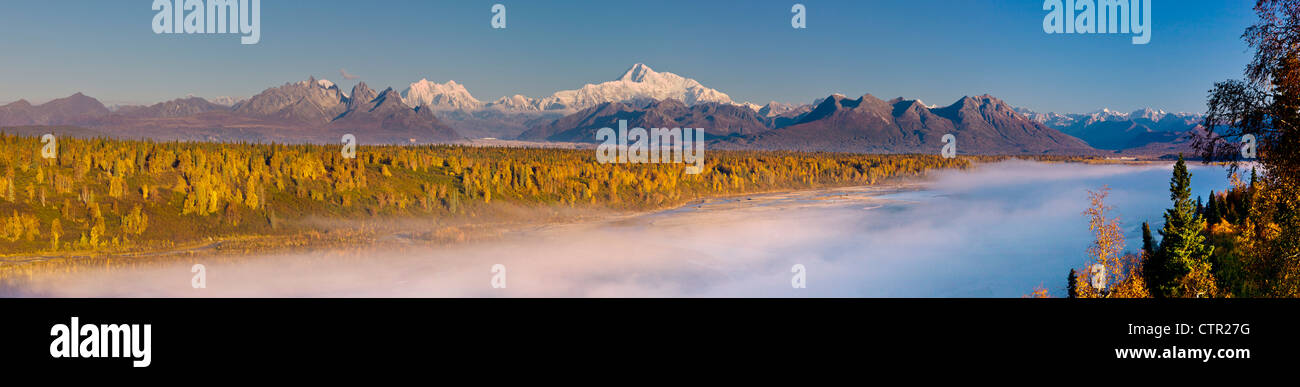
(638, 84)
(1148, 113)
(323, 83)
(752, 106)
(1107, 115)
(773, 109)
(440, 96)
(227, 101)
(1112, 130)
(514, 102)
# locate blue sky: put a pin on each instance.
(934, 50)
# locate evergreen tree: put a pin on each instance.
(1241, 206)
(1212, 210)
(1071, 287)
(1151, 263)
(1266, 105)
(1183, 253)
(1148, 242)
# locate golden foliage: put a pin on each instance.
(193, 191)
(1120, 275)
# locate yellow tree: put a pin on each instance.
(56, 231)
(1111, 273)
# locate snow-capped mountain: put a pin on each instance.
(1149, 114)
(639, 84)
(514, 102)
(1171, 120)
(324, 83)
(750, 105)
(440, 96)
(773, 109)
(1113, 130)
(227, 101)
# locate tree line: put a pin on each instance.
(104, 194)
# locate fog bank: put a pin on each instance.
(996, 231)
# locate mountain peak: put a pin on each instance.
(363, 92)
(313, 82)
(1148, 113)
(450, 95)
(361, 95)
(387, 100)
(638, 73)
(71, 110)
(980, 100)
(77, 98)
(388, 96)
(638, 85)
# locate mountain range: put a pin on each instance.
(981, 125)
(73, 110)
(1143, 131)
(313, 111)
(319, 111)
(639, 84)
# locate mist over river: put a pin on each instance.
(994, 231)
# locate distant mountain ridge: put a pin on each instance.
(77, 109)
(981, 125)
(175, 108)
(1139, 131)
(318, 110)
(307, 111)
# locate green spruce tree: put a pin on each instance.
(1151, 262)
(1182, 248)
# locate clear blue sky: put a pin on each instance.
(934, 50)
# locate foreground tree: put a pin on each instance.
(1150, 261)
(1072, 282)
(1184, 258)
(1265, 107)
(1112, 273)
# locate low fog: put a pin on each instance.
(996, 231)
